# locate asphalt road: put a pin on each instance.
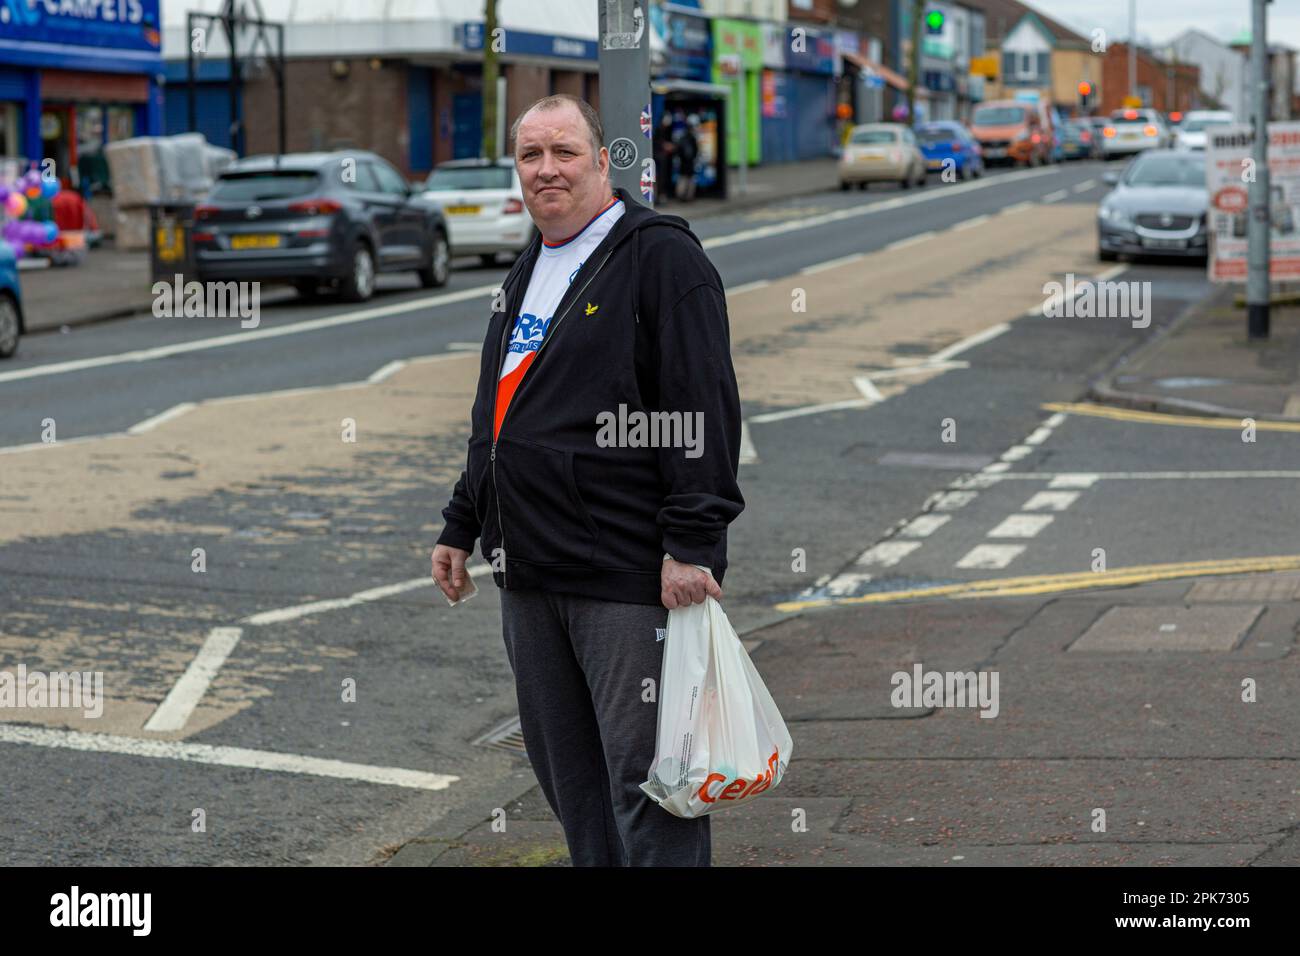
(97, 538)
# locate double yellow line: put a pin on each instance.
(1162, 418)
(1051, 583)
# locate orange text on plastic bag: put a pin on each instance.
(732, 791)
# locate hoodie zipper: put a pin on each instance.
(492, 457)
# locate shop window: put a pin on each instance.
(9, 126)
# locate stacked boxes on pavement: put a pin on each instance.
(149, 170)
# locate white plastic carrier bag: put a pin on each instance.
(721, 740)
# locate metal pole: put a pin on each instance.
(1132, 48)
(229, 20)
(1257, 317)
(280, 81)
(743, 113)
(490, 145)
(191, 106)
(624, 59)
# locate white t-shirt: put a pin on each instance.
(552, 273)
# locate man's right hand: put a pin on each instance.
(449, 570)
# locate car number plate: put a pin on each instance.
(255, 242)
(935, 164)
(463, 210)
(1149, 243)
(995, 153)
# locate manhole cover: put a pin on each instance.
(507, 736)
(1176, 628)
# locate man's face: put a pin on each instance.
(563, 179)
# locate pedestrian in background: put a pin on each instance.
(688, 151)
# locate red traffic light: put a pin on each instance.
(1085, 88)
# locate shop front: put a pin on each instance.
(76, 77)
(683, 96)
(738, 65)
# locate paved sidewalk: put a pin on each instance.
(1127, 700)
(107, 284)
(766, 184)
(1205, 365)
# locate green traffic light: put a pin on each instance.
(934, 20)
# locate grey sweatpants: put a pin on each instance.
(580, 667)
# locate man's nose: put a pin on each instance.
(549, 167)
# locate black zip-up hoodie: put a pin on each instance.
(642, 325)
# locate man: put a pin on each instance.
(594, 532)
(688, 149)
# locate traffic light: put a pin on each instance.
(934, 21)
(1085, 92)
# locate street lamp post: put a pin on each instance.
(1257, 234)
(624, 57)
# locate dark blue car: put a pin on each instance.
(948, 140)
(11, 303)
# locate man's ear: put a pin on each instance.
(602, 161)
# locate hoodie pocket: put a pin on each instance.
(544, 519)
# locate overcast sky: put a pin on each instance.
(1161, 20)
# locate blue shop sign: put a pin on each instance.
(523, 43)
(103, 24)
(810, 50)
(688, 44)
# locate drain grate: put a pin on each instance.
(507, 736)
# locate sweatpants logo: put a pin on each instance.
(660, 633)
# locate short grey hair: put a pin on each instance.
(595, 131)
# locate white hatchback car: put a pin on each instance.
(1191, 134)
(483, 203)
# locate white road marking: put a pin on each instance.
(1039, 435)
(953, 500)
(808, 410)
(1021, 526)
(149, 424)
(749, 287)
(868, 388)
(1016, 452)
(811, 222)
(847, 583)
(1050, 501)
(1056, 196)
(981, 480)
(970, 223)
(1084, 186)
(910, 240)
(1018, 207)
(224, 757)
(887, 553)
(996, 467)
(464, 346)
(925, 365)
(390, 369)
(1112, 272)
(832, 263)
(748, 453)
(979, 338)
(175, 710)
(1055, 421)
(922, 526)
(223, 400)
(279, 615)
(245, 337)
(991, 555)
(1073, 481)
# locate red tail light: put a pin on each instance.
(513, 207)
(1085, 136)
(204, 212)
(1130, 114)
(1108, 132)
(316, 207)
(1150, 130)
(202, 236)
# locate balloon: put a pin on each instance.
(51, 232)
(33, 192)
(16, 204)
(4, 194)
(49, 188)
